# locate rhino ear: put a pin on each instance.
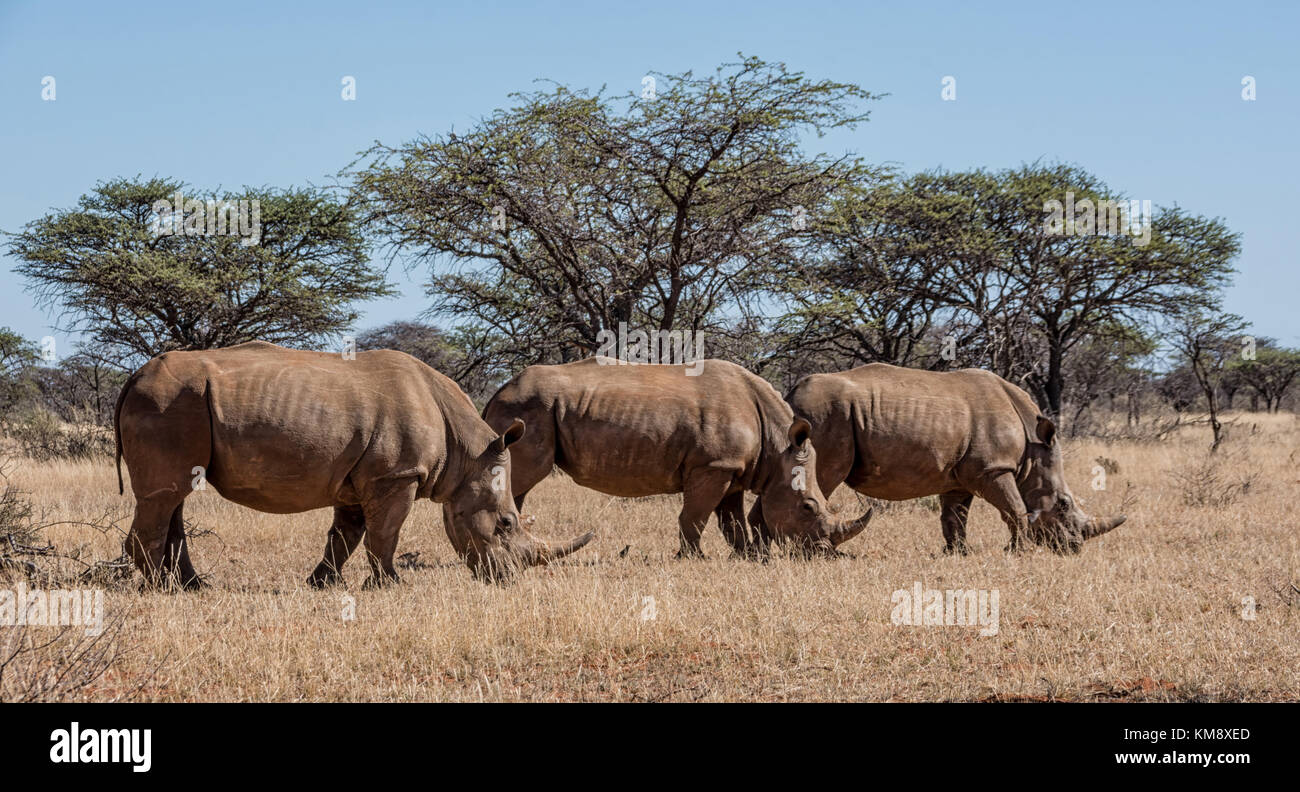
(509, 437)
(1046, 430)
(799, 432)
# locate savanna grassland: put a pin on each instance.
(1153, 611)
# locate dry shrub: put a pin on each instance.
(26, 554)
(41, 436)
(1109, 465)
(52, 663)
(1216, 479)
(18, 534)
(1113, 428)
(44, 664)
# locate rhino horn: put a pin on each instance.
(542, 552)
(845, 530)
(1098, 526)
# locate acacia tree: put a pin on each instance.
(1207, 343)
(467, 355)
(868, 284)
(1178, 387)
(971, 257)
(18, 357)
(109, 271)
(1076, 284)
(572, 212)
(1270, 372)
(83, 385)
(1108, 363)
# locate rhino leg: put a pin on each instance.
(384, 515)
(1001, 491)
(731, 521)
(956, 507)
(703, 493)
(165, 431)
(176, 553)
(762, 535)
(146, 542)
(345, 533)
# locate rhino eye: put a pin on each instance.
(809, 506)
(505, 523)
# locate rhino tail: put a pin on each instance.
(117, 432)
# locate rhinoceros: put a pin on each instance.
(896, 433)
(709, 430)
(283, 431)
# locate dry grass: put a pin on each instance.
(1151, 611)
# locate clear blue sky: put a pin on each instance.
(1147, 96)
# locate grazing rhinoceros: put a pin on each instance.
(897, 433)
(635, 430)
(282, 431)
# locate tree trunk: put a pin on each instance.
(1055, 383)
(1215, 426)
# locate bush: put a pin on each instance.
(1214, 479)
(47, 663)
(41, 436)
(1109, 465)
(27, 554)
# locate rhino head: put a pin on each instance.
(794, 507)
(1055, 519)
(483, 524)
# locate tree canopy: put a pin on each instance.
(571, 212)
(900, 270)
(136, 283)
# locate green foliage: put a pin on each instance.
(970, 256)
(568, 213)
(692, 207)
(467, 355)
(1270, 373)
(107, 270)
(1208, 343)
(18, 356)
(41, 436)
(82, 387)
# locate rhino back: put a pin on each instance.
(636, 430)
(291, 430)
(916, 432)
